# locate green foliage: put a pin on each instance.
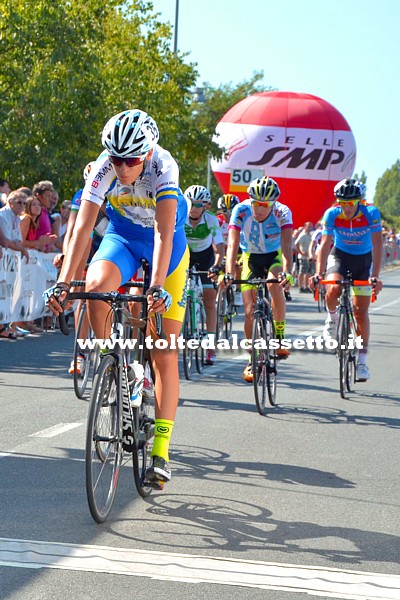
(69, 65)
(387, 193)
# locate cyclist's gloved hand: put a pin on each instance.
(228, 278)
(158, 293)
(55, 295)
(286, 277)
(376, 284)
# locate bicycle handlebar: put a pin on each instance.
(355, 282)
(256, 281)
(109, 297)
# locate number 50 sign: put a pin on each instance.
(241, 178)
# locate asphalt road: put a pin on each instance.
(304, 500)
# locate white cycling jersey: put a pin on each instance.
(132, 207)
(206, 231)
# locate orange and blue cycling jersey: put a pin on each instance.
(352, 235)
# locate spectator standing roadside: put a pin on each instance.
(44, 190)
(302, 246)
(4, 192)
(30, 226)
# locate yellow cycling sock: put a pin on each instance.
(280, 329)
(162, 436)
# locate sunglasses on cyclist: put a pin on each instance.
(131, 161)
(197, 205)
(262, 204)
(348, 202)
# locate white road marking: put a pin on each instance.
(55, 430)
(376, 308)
(166, 566)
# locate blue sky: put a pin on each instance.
(344, 51)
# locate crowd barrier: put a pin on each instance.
(22, 285)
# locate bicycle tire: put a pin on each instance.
(103, 440)
(230, 312)
(271, 362)
(351, 376)
(221, 314)
(201, 334)
(144, 417)
(321, 300)
(343, 351)
(81, 379)
(187, 353)
(259, 363)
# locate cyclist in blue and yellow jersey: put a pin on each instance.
(204, 238)
(147, 213)
(263, 229)
(356, 232)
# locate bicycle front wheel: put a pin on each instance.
(144, 426)
(188, 353)
(201, 334)
(103, 441)
(259, 359)
(221, 314)
(271, 362)
(81, 378)
(344, 353)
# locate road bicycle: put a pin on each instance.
(263, 345)
(226, 311)
(346, 333)
(320, 297)
(115, 426)
(89, 356)
(194, 325)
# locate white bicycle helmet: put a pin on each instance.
(130, 133)
(198, 193)
(87, 169)
(349, 189)
(264, 189)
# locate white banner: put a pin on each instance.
(22, 285)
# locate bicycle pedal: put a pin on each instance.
(155, 485)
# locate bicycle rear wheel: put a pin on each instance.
(103, 441)
(230, 313)
(188, 353)
(144, 426)
(259, 354)
(271, 362)
(81, 378)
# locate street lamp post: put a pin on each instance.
(176, 26)
(199, 97)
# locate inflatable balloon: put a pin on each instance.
(300, 140)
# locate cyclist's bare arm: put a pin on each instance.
(231, 253)
(377, 251)
(218, 253)
(70, 227)
(164, 224)
(325, 248)
(83, 228)
(286, 246)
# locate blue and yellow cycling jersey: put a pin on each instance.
(352, 235)
(131, 208)
(76, 201)
(264, 237)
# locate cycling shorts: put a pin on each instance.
(258, 265)
(203, 261)
(127, 256)
(359, 265)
